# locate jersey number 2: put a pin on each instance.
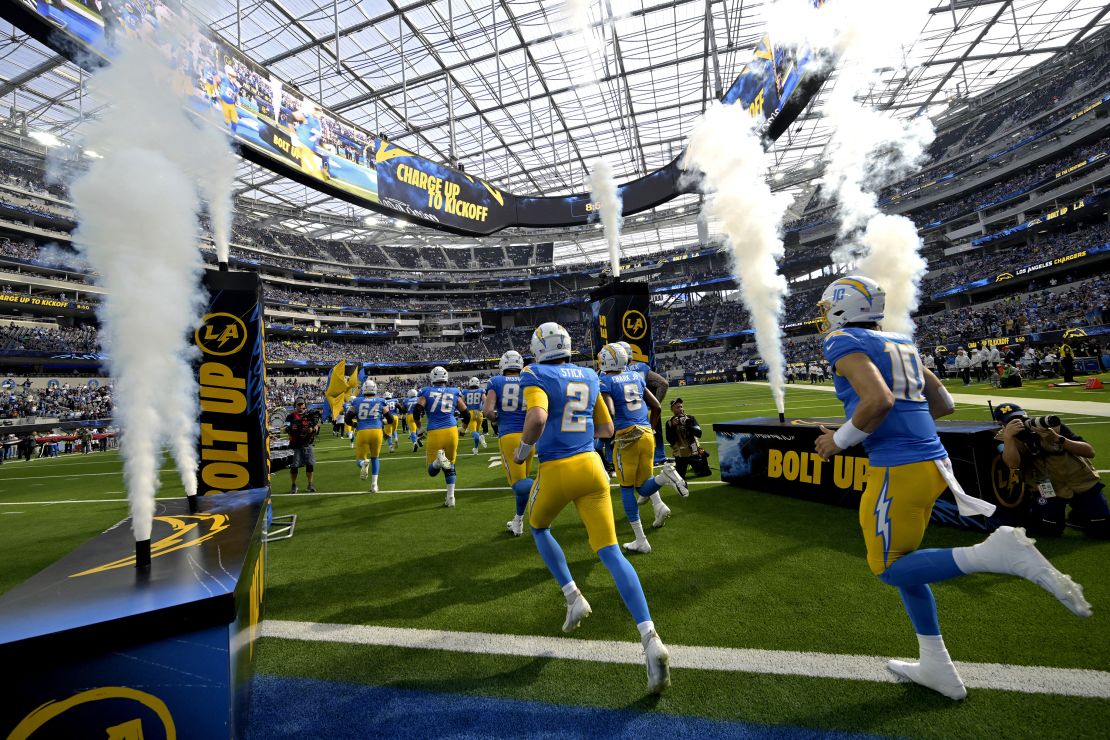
(578, 397)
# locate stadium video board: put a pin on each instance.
(278, 127)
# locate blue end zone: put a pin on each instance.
(300, 707)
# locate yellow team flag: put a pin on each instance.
(337, 389)
(353, 386)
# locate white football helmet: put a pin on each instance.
(852, 299)
(612, 359)
(438, 374)
(627, 351)
(369, 388)
(389, 395)
(474, 383)
(413, 393)
(550, 342)
(511, 360)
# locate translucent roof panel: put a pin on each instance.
(535, 98)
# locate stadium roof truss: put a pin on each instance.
(510, 91)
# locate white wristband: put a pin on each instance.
(848, 435)
(522, 452)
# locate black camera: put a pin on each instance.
(1041, 422)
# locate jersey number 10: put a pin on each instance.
(907, 378)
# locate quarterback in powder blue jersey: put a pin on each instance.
(562, 420)
(504, 404)
(891, 400)
(635, 411)
(369, 409)
(442, 404)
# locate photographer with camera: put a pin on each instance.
(1055, 465)
(683, 432)
(302, 426)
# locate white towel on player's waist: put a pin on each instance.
(968, 505)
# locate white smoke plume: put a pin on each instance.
(603, 191)
(725, 147)
(868, 149)
(137, 213)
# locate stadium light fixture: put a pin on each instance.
(399, 223)
(45, 138)
(93, 155)
(779, 177)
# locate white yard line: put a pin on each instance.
(1001, 677)
(303, 494)
(1031, 403)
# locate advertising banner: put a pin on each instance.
(764, 454)
(279, 128)
(234, 445)
(622, 312)
(38, 303)
(1067, 259)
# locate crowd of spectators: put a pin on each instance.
(983, 263)
(62, 401)
(48, 339)
(1008, 188)
(1080, 304)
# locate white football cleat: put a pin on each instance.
(641, 546)
(938, 675)
(482, 441)
(578, 610)
(364, 470)
(662, 514)
(515, 526)
(373, 488)
(658, 663)
(1010, 550)
(449, 502)
(442, 462)
(672, 477)
(474, 451)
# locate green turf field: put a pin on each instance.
(731, 569)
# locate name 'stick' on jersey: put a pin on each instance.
(571, 395)
(908, 434)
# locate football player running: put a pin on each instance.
(658, 386)
(389, 428)
(410, 419)
(635, 410)
(442, 404)
(569, 472)
(891, 400)
(505, 404)
(369, 410)
(473, 397)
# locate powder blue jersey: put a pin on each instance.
(441, 405)
(510, 404)
(908, 434)
(369, 410)
(473, 398)
(409, 404)
(571, 394)
(640, 368)
(627, 391)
